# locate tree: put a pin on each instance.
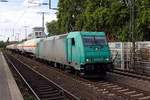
(110, 16)
(142, 19)
(52, 28)
(2, 44)
(68, 13)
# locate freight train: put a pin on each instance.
(86, 53)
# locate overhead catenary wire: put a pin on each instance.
(21, 16)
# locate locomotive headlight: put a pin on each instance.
(96, 49)
(87, 60)
(107, 59)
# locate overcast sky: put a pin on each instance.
(15, 14)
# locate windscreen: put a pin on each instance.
(94, 40)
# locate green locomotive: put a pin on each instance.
(87, 53)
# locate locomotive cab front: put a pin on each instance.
(96, 53)
(88, 52)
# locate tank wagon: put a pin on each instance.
(19, 47)
(26, 47)
(30, 46)
(11, 47)
(84, 52)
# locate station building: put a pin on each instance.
(37, 32)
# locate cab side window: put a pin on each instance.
(72, 41)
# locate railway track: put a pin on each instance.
(131, 74)
(41, 86)
(122, 91)
(110, 90)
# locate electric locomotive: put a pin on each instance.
(87, 53)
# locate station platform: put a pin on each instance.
(8, 87)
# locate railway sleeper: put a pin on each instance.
(113, 86)
(43, 84)
(45, 90)
(144, 98)
(50, 95)
(45, 87)
(130, 92)
(117, 88)
(137, 95)
(103, 83)
(56, 98)
(123, 90)
(49, 92)
(109, 84)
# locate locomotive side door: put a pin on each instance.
(69, 50)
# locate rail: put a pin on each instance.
(130, 74)
(44, 85)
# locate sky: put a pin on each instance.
(16, 14)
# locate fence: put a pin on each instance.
(121, 54)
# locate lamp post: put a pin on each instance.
(25, 32)
(43, 13)
(131, 4)
(132, 15)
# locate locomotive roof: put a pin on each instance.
(73, 34)
(56, 37)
